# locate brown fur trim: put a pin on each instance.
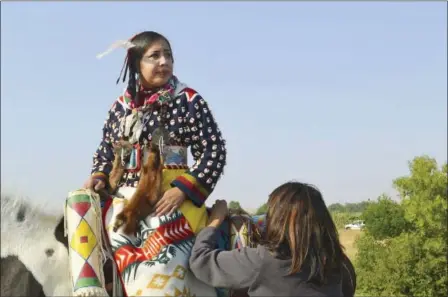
(149, 191)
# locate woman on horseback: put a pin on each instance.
(140, 169)
(300, 254)
(156, 108)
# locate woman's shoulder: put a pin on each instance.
(256, 254)
(189, 95)
(122, 101)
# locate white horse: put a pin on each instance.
(34, 253)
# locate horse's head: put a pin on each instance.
(243, 231)
(33, 247)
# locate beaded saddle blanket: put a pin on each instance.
(154, 262)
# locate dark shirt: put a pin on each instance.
(256, 269)
(190, 123)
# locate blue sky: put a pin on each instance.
(341, 95)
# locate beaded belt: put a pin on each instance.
(174, 157)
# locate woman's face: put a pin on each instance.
(156, 65)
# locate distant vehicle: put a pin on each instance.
(355, 225)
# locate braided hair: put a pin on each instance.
(131, 66)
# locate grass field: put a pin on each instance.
(347, 238)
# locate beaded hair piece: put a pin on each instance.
(126, 44)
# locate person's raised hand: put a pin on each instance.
(218, 213)
(94, 184)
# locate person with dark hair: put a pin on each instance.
(300, 254)
(157, 108)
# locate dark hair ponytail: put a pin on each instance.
(132, 82)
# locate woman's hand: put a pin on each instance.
(94, 184)
(218, 214)
(170, 202)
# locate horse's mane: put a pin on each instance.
(238, 212)
(33, 233)
(17, 209)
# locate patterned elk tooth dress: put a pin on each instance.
(154, 262)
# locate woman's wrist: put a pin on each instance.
(215, 222)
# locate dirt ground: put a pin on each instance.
(347, 238)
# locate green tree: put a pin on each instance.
(424, 194)
(234, 205)
(385, 218)
(341, 218)
(414, 262)
(357, 207)
(262, 209)
(336, 207)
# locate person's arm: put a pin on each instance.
(104, 155)
(236, 269)
(208, 149)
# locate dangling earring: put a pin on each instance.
(137, 88)
(138, 82)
